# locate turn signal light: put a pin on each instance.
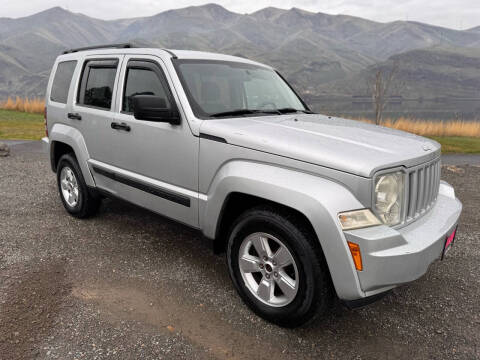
(356, 255)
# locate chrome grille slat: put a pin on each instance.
(427, 187)
(412, 204)
(439, 173)
(430, 185)
(423, 187)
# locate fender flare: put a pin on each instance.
(319, 199)
(68, 135)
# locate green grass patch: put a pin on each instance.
(457, 144)
(15, 125)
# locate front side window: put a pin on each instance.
(97, 84)
(141, 81)
(215, 88)
(62, 80)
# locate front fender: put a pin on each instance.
(319, 199)
(72, 137)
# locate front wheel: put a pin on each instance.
(278, 268)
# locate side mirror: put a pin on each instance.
(154, 108)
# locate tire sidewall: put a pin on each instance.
(294, 240)
(68, 161)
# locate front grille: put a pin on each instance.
(423, 185)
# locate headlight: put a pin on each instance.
(357, 219)
(388, 201)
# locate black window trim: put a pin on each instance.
(294, 91)
(53, 81)
(152, 65)
(110, 63)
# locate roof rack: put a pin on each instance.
(172, 54)
(108, 46)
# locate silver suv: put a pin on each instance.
(306, 207)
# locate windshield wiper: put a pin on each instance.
(292, 110)
(240, 112)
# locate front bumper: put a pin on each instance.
(396, 256)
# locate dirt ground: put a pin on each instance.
(129, 284)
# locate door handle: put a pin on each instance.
(121, 126)
(74, 116)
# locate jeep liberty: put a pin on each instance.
(305, 206)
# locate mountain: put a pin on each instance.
(318, 53)
(423, 73)
(32, 43)
(191, 20)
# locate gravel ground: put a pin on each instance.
(129, 284)
(461, 159)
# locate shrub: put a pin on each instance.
(33, 105)
(434, 128)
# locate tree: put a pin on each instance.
(381, 84)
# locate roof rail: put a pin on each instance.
(107, 46)
(172, 54)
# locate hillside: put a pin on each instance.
(317, 52)
(425, 73)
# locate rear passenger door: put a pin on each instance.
(152, 164)
(92, 110)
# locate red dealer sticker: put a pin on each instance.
(449, 241)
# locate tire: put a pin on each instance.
(310, 291)
(84, 202)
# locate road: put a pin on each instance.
(130, 284)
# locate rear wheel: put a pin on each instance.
(277, 267)
(76, 197)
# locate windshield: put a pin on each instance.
(227, 89)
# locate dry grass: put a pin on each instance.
(434, 128)
(34, 105)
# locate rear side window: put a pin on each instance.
(96, 87)
(141, 82)
(62, 80)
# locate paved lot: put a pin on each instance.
(129, 284)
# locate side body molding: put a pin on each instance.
(72, 137)
(319, 199)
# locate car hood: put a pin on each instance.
(347, 145)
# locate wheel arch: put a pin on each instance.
(57, 149)
(238, 202)
(65, 139)
(316, 200)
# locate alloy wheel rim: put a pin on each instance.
(268, 269)
(69, 186)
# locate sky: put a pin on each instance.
(456, 14)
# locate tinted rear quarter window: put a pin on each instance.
(62, 80)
